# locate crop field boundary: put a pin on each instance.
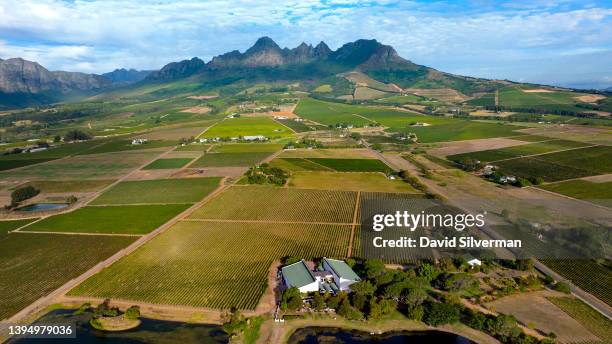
(354, 224)
(43, 302)
(557, 151)
(80, 233)
(293, 131)
(270, 221)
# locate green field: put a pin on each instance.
(63, 186)
(585, 315)
(95, 166)
(298, 127)
(226, 263)
(246, 148)
(600, 193)
(349, 182)
(515, 97)
(518, 151)
(298, 164)
(126, 145)
(244, 126)
(198, 147)
(33, 265)
(6, 164)
(167, 163)
(439, 128)
(589, 275)
(126, 219)
(261, 203)
(6, 226)
(229, 159)
(552, 167)
(160, 191)
(352, 165)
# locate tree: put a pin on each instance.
(374, 267)
(374, 309)
(23, 193)
(57, 138)
(233, 322)
(288, 260)
(318, 302)
(76, 135)
(415, 313)
(348, 311)
(132, 313)
(363, 288)
(359, 301)
(428, 271)
(291, 299)
(414, 297)
(437, 313)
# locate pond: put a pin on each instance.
(320, 335)
(149, 331)
(42, 206)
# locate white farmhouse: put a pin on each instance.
(298, 275)
(344, 276)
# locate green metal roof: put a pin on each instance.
(297, 275)
(342, 269)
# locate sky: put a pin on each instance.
(566, 42)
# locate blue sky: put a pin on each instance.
(555, 42)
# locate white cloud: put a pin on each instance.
(101, 35)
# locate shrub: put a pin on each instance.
(437, 313)
(24, 193)
(76, 135)
(562, 287)
(132, 313)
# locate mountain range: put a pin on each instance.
(24, 83)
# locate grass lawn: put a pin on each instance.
(353, 165)
(160, 191)
(245, 126)
(167, 163)
(128, 219)
(230, 159)
(61, 186)
(33, 265)
(600, 193)
(367, 181)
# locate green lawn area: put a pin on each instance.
(230, 159)
(125, 219)
(352, 165)
(349, 181)
(167, 163)
(600, 193)
(248, 126)
(189, 190)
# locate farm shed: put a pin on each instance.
(343, 274)
(298, 275)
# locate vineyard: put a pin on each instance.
(589, 275)
(256, 203)
(212, 264)
(33, 265)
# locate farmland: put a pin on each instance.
(60, 186)
(298, 164)
(261, 203)
(563, 165)
(243, 126)
(591, 276)
(246, 148)
(352, 165)
(588, 317)
(521, 150)
(229, 159)
(348, 182)
(167, 163)
(95, 166)
(128, 219)
(298, 127)
(599, 193)
(227, 263)
(6, 226)
(33, 265)
(126, 145)
(161, 191)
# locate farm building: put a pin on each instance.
(298, 275)
(344, 276)
(255, 138)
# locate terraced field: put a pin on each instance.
(33, 265)
(226, 263)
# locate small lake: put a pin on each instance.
(324, 335)
(42, 207)
(150, 331)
